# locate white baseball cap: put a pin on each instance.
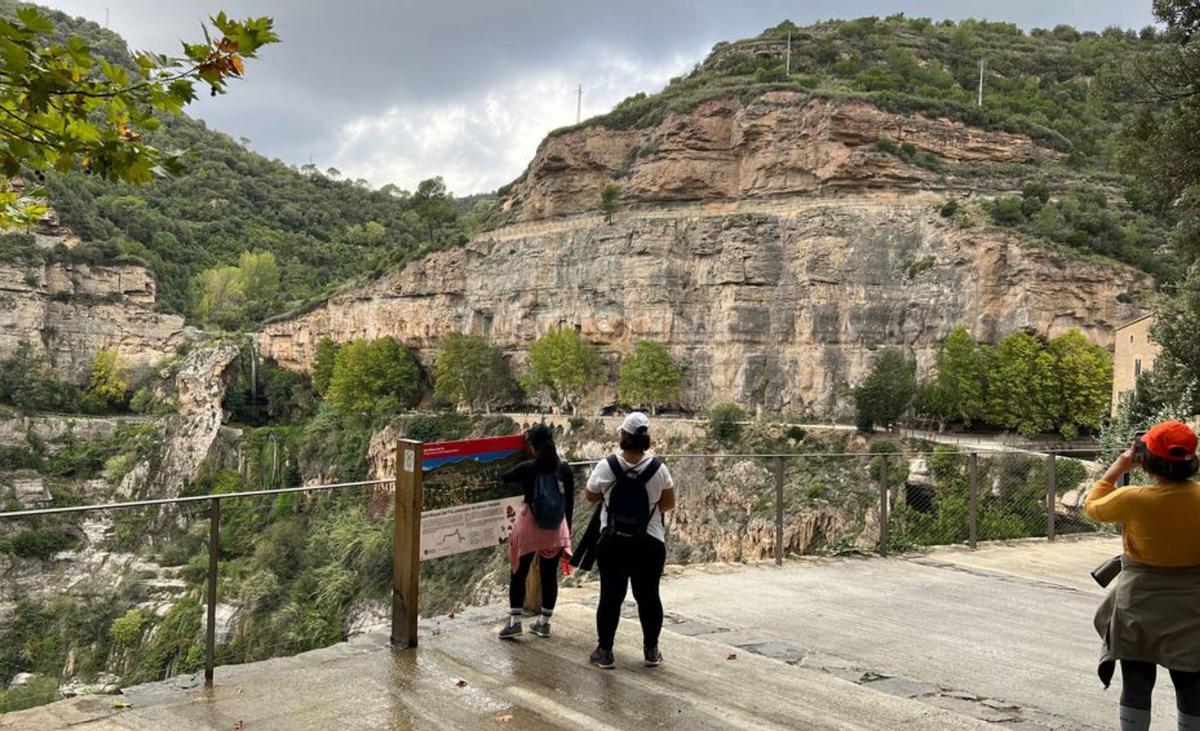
(635, 422)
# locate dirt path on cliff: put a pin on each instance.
(783, 207)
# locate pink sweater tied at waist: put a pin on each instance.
(529, 537)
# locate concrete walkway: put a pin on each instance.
(464, 678)
(954, 639)
(1005, 630)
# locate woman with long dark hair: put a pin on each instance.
(1151, 616)
(542, 529)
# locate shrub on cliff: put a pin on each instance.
(373, 377)
(649, 377)
(109, 383)
(563, 367)
(610, 201)
(725, 423)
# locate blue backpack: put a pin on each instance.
(549, 504)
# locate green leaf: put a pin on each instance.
(34, 20)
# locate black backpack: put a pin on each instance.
(628, 507)
(549, 507)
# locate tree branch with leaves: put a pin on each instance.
(62, 106)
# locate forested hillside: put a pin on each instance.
(1060, 86)
(322, 230)
(1044, 83)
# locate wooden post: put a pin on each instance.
(1051, 494)
(884, 528)
(779, 511)
(406, 554)
(973, 501)
(214, 554)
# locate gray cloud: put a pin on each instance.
(400, 91)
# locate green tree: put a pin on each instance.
(564, 367)
(1176, 375)
(323, 361)
(232, 297)
(649, 377)
(373, 377)
(432, 203)
(1160, 143)
(610, 201)
(66, 106)
(886, 393)
(956, 393)
(220, 297)
(1082, 373)
(108, 381)
(1021, 385)
(471, 372)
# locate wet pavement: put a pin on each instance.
(997, 638)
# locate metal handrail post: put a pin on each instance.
(884, 529)
(973, 501)
(779, 511)
(1051, 494)
(214, 552)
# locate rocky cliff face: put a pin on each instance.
(194, 438)
(781, 309)
(68, 312)
(782, 143)
(770, 244)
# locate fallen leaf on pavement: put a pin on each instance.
(461, 684)
(732, 656)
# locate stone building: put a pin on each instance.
(1135, 352)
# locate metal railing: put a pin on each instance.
(214, 501)
(876, 501)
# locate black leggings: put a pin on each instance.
(1137, 685)
(625, 561)
(548, 568)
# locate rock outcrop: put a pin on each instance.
(70, 311)
(781, 143)
(193, 435)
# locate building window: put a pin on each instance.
(1131, 338)
(1137, 367)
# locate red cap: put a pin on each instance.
(1171, 440)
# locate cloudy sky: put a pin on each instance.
(398, 90)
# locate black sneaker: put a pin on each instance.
(511, 631)
(540, 627)
(602, 658)
(654, 657)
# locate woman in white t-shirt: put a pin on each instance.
(636, 489)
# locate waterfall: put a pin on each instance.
(253, 374)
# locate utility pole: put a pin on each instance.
(788, 56)
(578, 103)
(982, 62)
